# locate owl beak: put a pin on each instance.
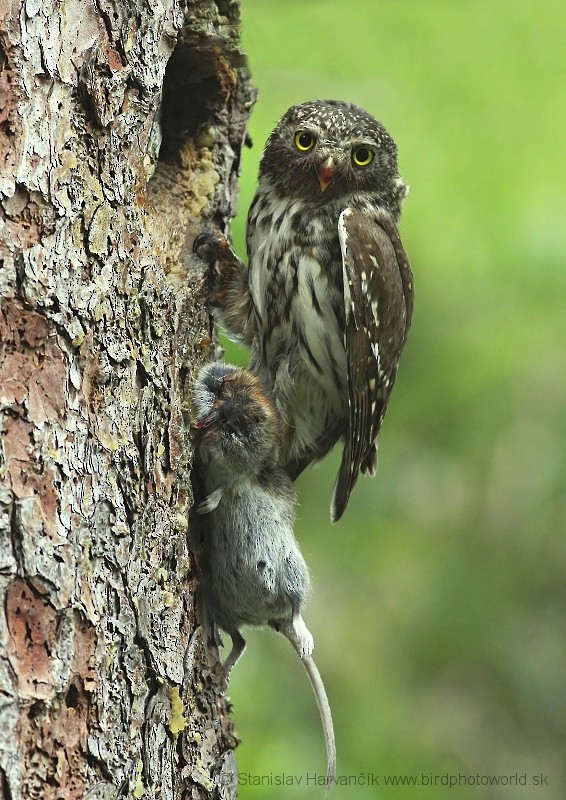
(326, 173)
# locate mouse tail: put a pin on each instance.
(325, 716)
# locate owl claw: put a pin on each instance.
(213, 248)
(228, 289)
(209, 245)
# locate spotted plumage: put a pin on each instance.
(326, 299)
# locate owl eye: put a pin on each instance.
(304, 141)
(361, 156)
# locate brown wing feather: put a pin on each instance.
(378, 302)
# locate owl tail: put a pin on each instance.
(347, 477)
(369, 464)
(345, 481)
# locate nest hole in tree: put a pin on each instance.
(193, 92)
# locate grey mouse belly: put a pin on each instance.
(257, 574)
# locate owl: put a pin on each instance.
(326, 298)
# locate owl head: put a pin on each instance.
(325, 149)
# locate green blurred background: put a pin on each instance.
(439, 603)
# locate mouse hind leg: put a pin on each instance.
(238, 647)
(298, 634)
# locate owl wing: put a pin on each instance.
(378, 305)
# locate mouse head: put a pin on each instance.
(236, 423)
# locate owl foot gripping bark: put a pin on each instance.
(254, 572)
(228, 280)
(326, 300)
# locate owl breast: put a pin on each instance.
(295, 280)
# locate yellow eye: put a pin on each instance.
(304, 141)
(361, 156)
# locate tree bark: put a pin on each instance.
(121, 125)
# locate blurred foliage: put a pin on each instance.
(439, 603)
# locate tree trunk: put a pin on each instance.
(121, 125)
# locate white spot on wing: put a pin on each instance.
(343, 237)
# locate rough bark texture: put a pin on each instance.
(121, 125)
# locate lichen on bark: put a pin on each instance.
(121, 127)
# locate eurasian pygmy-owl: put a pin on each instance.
(326, 299)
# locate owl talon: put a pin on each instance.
(214, 250)
(212, 246)
(208, 246)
